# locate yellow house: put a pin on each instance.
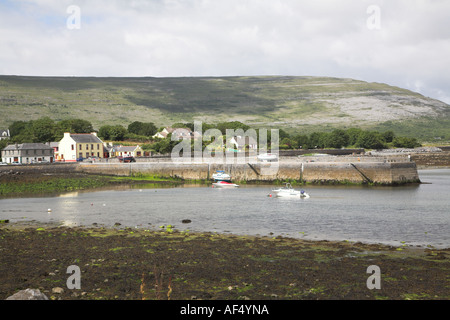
(76, 146)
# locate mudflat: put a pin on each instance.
(139, 264)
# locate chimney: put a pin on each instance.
(94, 133)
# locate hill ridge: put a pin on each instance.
(291, 102)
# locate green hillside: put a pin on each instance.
(294, 103)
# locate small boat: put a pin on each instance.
(288, 191)
(221, 176)
(267, 157)
(224, 184)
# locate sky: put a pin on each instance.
(405, 43)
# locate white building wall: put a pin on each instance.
(67, 149)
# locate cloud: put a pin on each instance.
(232, 37)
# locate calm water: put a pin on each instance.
(415, 215)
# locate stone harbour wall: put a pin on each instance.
(319, 172)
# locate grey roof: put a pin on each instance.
(85, 138)
(28, 146)
(126, 148)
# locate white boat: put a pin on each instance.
(267, 157)
(224, 184)
(221, 176)
(288, 191)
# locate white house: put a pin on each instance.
(164, 133)
(4, 134)
(241, 143)
(75, 146)
(179, 133)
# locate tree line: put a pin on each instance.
(46, 130)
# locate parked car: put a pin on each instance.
(3, 164)
(80, 159)
(126, 159)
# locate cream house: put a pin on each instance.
(77, 146)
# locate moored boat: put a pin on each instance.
(221, 176)
(288, 191)
(224, 184)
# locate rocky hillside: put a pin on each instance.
(294, 103)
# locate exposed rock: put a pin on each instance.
(58, 290)
(28, 294)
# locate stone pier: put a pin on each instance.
(377, 170)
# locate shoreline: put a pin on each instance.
(116, 262)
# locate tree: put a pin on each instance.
(404, 142)
(76, 126)
(337, 139)
(142, 128)
(318, 139)
(223, 126)
(165, 145)
(115, 133)
(302, 141)
(353, 135)
(388, 136)
(17, 127)
(104, 132)
(287, 143)
(370, 140)
(44, 130)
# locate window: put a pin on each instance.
(98, 147)
(92, 147)
(81, 147)
(87, 147)
(72, 147)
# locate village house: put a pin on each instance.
(77, 146)
(164, 133)
(4, 134)
(55, 146)
(27, 153)
(126, 151)
(243, 143)
(180, 133)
